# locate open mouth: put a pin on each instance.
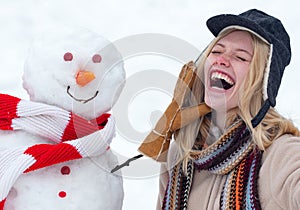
(221, 80)
(81, 100)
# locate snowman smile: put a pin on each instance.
(221, 80)
(81, 100)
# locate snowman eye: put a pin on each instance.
(97, 58)
(68, 56)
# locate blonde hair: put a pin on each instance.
(250, 101)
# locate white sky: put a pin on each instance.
(22, 21)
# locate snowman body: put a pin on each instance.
(81, 72)
(74, 185)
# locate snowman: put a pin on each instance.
(54, 147)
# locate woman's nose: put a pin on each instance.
(223, 60)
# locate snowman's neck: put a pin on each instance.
(45, 120)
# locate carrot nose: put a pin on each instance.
(84, 77)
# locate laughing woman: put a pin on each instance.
(244, 154)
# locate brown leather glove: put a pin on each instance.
(156, 144)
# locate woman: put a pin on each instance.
(244, 154)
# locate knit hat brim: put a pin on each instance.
(217, 23)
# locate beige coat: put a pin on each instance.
(279, 180)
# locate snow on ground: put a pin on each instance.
(178, 31)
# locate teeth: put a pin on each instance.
(218, 75)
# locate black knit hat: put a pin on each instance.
(270, 29)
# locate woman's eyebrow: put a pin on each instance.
(243, 50)
(238, 49)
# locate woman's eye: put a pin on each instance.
(241, 58)
(215, 52)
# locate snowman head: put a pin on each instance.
(77, 70)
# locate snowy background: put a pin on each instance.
(22, 21)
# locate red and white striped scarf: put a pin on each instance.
(73, 138)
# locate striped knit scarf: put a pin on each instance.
(233, 155)
(73, 138)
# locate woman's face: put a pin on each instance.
(226, 68)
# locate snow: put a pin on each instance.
(180, 33)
